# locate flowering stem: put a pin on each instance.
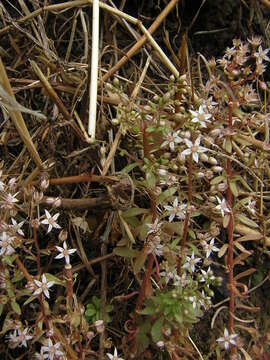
(23, 269)
(146, 280)
(69, 284)
(150, 259)
(187, 217)
(183, 243)
(190, 179)
(45, 319)
(230, 235)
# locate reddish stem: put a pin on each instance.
(146, 279)
(230, 236)
(69, 285)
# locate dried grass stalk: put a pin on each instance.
(17, 117)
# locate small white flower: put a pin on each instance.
(200, 116)
(207, 276)
(17, 226)
(227, 340)
(194, 149)
(176, 210)
(51, 351)
(64, 252)
(261, 55)
(172, 139)
(43, 286)
(168, 180)
(154, 246)
(6, 244)
(205, 301)
(19, 338)
(222, 206)
(154, 228)
(114, 356)
(191, 262)
(255, 40)
(209, 248)
(51, 221)
(9, 201)
(229, 52)
(169, 274)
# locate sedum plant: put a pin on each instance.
(200, 177)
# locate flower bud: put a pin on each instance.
(209, 174)
(160, 344)
(99, 324)
(222, 187)
(217, 169)
(162, 172)
(44, 184)
(37, 197)
(116, 82)
(115, 121)
(212, 160)
(203, 157)
(200, 175)
(63, 235)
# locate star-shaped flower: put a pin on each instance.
(227, 340)
(207, 276)
(64, 252)
(222, 206)
(17, 226)
(9, 201)
(154, 228)
(194, 149)
(51, 351)
(114, 356)
(261, 55)
(43, 286)
(176, 210)
(172, 139)
(6, 244)
(19, 338)
(51, 221)
(191, 262)
(200, 116)
(209, 248)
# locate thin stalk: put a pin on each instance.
(94, 72)
(69, 285)
(230, 237)
(37, 250)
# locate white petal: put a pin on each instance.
(195, 156)
(197, 141)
